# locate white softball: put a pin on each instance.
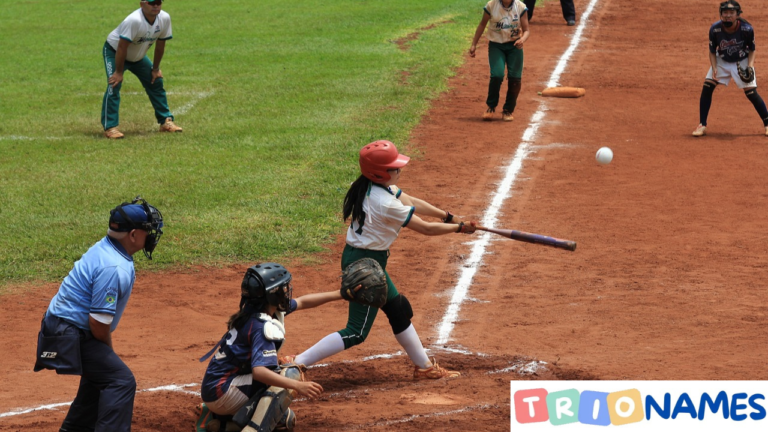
(604, 156)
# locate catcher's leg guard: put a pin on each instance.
(758, 103)
(287, 423)
(243, 415)
(399, 313)
(705, 102)
(270, 410)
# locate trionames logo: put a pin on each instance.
(702, 405)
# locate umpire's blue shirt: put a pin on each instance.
(101, 283)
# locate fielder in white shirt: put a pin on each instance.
(126, 48)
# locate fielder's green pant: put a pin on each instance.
(361, 318)
(499, 56)
(110, 106)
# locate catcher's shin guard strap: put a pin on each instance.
(759, 104)
(270, 410)
(243, 415)
(399, 313)
(706, 101)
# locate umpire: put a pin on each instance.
(569, 10)
(75, 335)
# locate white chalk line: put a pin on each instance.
(138, 93)
(172, 387)
(196, 98)
(413, 417)
(469, 268)
(470, 265)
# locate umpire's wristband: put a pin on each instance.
(448, 217)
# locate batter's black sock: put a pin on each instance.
(705, 102)
(757, 101)
(513, 90)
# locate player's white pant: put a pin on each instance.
(727, 71)
(233, 399)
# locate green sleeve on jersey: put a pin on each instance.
(410, 214)
(125, 38)
(169, 37)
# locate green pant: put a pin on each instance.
(110, 105)
(360, 318)
(499, 56)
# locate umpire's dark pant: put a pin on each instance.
(569, 10)
(104, 401)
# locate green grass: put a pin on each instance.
(275, 106)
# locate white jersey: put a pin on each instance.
(140, 33)
(504, 24)
(385, 215)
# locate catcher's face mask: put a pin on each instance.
(270, 282)
(148, 219)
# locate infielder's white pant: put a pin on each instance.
(727, 71)
(233, 399)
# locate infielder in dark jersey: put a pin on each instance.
(731, 46)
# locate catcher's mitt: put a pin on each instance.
(364, 282)
(746, 74)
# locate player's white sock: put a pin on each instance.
(409, 340)
(326, 347)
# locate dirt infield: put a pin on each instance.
(666, 283)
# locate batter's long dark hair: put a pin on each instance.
(353, 201)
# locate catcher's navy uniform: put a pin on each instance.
(240, 351)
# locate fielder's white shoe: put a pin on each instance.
(170, 126)
(113, 133)
(701, 131)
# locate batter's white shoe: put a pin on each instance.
(434, 372)
(702, 130)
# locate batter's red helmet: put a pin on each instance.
(378, 157)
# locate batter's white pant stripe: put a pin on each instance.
(362, 329)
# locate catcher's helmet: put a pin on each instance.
(730, 5)
(138, 214)
(267, 282)
(378, 157)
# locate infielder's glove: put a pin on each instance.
(364, 282)
(746, 74)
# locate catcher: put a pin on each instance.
(244, 388)
(379, 209)
(731, 56)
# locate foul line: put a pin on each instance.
(173, 387)
(490, 216)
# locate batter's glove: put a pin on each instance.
(364, 282)
(746, 74)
